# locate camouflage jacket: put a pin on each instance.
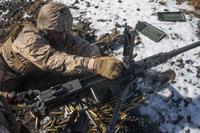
(26, 50)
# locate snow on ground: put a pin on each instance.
(177, 107)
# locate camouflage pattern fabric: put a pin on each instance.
(55, 16)
(31, 48)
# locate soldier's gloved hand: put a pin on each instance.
(22, 97)
(108, 67)
(15, 98)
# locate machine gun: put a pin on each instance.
(77, 89)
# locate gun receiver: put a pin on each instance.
(62, 94)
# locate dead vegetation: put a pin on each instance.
(195, 12)
(196, 4)
(17, 12)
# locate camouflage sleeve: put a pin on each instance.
(37, 50)
(76, 45)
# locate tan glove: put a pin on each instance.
(108, 67)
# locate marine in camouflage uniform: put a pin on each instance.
(51, 47)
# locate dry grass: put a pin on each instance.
(196, 4)
(179, 1)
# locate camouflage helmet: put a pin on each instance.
(55, 16)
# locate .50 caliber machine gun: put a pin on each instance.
(75, 90)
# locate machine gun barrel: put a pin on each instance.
(161, 58)
(183, 49)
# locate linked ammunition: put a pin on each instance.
(46, 125)
(57, 113)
